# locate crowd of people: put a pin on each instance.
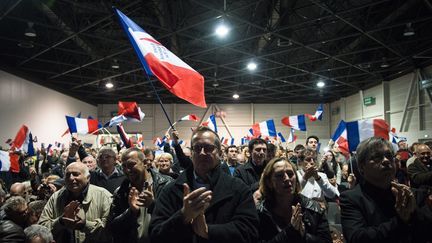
(210, 192)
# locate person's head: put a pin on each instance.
(375, 161)
(271, 151)
(18, 189)
(312, 142)
(413, 147)
(308, 158)
(35, 209)
(246, 153)
(206, 150)
(133, 164)
(423, 153)
(258, 150)
(106, 160)
(77, 177)
(16, 209)
(64, 156)
(241, 158)
(279, 179)
(297, 149)
(90, 161)
(331, 177)
(38, 234)
(329, 156)
(345, 170)
(164, 162)
(402, 145)
(232, 152)
(149, 156)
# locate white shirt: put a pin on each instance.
(317, 189)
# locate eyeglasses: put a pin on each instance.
(208, 148)
(105, 156)
(129, 164)
(309, 159)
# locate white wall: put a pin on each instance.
(239, 119)
(352, 108)
(41, 109)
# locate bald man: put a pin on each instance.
(78, 211)
(420, 172)
(18, 189)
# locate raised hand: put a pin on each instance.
(134, 203)
(297, 219)
(195, 202)
(405, 201)
(146, 198)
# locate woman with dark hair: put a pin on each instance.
(285, 215)
(329, 163)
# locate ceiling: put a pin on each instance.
(294, 43)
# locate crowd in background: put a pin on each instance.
(211, 192)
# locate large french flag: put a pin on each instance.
(24, 141)
(360, 130)
(178, 77)
(340, 137)
(296, 122)
(82, 125)
(211, 123)
(265, 128)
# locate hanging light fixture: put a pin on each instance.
(29, 31)
(409, 30)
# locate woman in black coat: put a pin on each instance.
(285, 215)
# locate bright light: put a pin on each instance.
(251, 66)
(320, 84)
(236, 96)
(109, 85)
(326, 149)
(426, 136)
(222, 30)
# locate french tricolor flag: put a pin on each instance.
(244, 140)
(123, 136)
(178, 77)
(317, 115)
(363, 129)
(211, 123)
(296, 122)
(282, 139)
(227, 141)
(340, 138)
(265, 128)
(292, 137)
(5, 162)
(191, 117)
(24, 141)
(82, 125)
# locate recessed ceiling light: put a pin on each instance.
(30, 32)
(109, 85)
(409, 31)
(115, 64)
(320, 84)
(221, 30)
(252, 66)
(236, 96)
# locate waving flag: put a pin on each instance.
(67, 130)
(340, 138)
(317, 115)
(82, 125)
(363, 129)
(123, 136)
(281, 137)
(178, 77)
(211, 123)
(265, 128)
(5, 163)
(250, 133)
(191, 117)
(24, 141)
(296, 122)
(227, 141)
(127, 111)
(292, 137)
(244, 140)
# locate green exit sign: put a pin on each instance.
(369, 101)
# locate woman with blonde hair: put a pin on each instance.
(164, 164)
(286, 215)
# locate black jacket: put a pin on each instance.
(419, 174)
(11, 232)
(111, 184)
(314, 219)
(231, 216)
(225, 168)
(122, 223)
(368, 215)
(250, 174)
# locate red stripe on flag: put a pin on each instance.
(151, 40)
(20, 137)
(285, 121)
(256, 130)
(381, 128)
(92, 125)
(14, 160)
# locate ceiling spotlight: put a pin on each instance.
(221, 30)
(236, 96)
(384, 63)
(252, 66)
(109, 85)
(215, 84)
(30, 32)
(409, 30)
(426, 136)
(115, 64)
(26, 44)
(320, 84)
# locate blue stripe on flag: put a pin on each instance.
(271, 128)
(71, 124)
(339, 130)
(353, 135)
(281, 137)
(301, 122)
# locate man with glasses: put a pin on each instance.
(107, 175)
(204, 204)
(134, 200)
(378, 209)
(315, 184)
(14, 220)
(420, 172)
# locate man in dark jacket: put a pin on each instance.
(107, 176)
(230, 164)
(250, 172)
(13, 220)
(377, 209)
(204, 204)
(133, 201)
(420, 172)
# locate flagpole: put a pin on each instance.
(160, 101)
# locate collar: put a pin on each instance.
(81, 198)
(115, 172)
